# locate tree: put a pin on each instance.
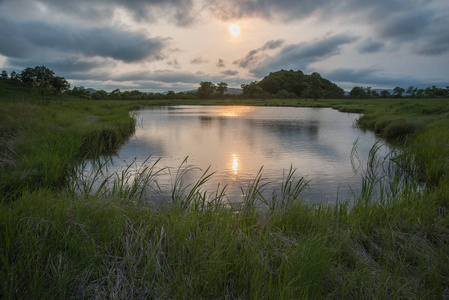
(284, 94)
(59, 84)
(315, 89)
(4, 75)
(385, 94)
(251, 90)
(80, 92)
(440, 92)
(398, 91)
(43, 80)
(271, 84)
(331, 90)
(291, 81)
(357, 92)
(14, 76)
(222, 88)
(298, 83)
(206, 89)
(36, 75)
(99, 95)
(170, 95)
(368, 91)
(419, 93)
(412, 91)
(41, 88)
(115, 94)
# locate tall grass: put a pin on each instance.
(41, 144)
(109, 243)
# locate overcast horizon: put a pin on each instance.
(157, 45)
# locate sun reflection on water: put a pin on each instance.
(235, 163)
(234, 111)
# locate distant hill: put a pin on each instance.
(285, 82)
(234, 91)
(380, 90)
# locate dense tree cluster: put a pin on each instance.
(360, 92)
(209, 90)
(252, 90)
(293, 84)
(41, 79)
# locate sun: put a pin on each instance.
(234, 29)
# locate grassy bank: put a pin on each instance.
(58, 244)
(41, 142)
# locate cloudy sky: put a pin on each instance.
(160, 45)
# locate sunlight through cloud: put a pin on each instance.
(234, 29)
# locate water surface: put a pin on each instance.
(236, 141)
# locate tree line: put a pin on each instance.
(361, 92)
(280, 85)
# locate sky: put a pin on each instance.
(161, 45)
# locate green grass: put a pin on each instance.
(40, 144)
(60, 238)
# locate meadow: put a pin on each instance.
(56, 243)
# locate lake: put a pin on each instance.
(236, 141)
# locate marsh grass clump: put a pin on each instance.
(398, 128)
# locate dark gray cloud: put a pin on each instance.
(62, 66)
(255, 56)
(370, 46)
(169, 77)
(301, 9)
(229, 73)
(376, 78)
(26, 39)
(299, 56)
(436, 38)
(284, 9)
(181, 12)
(361, 76)
(247, 59)
(420, 25)
(174, 63)
(406, 26)
(198, 61)
(220, 63)
(435, 44)
(273, 44)
(165, 76)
